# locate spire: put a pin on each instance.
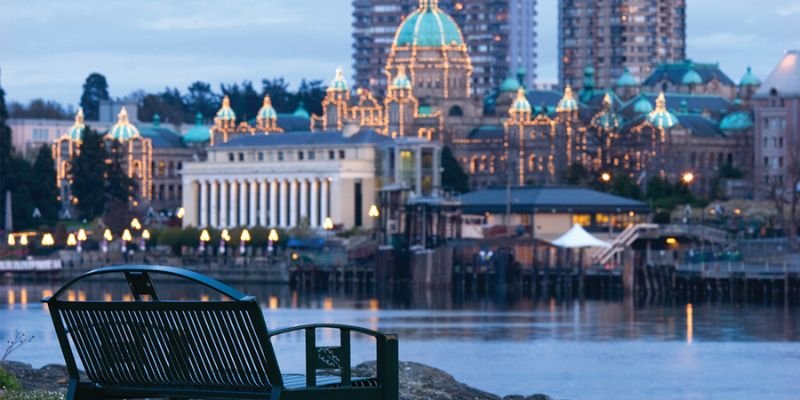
(607, 100)
(338, 83)
(567, 103)
(431, 4)
(79, 117)
(122, 117)
(123, 129)
(75, 132)
(660, 117)
(401, 81)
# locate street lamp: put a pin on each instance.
(204, 238)
(327, 224)
(135, 224)
(145, 238)
(23, 241)
(126, 237)
(605, 177)
(687, 178)
(11, 240)
(243, 239)
(71, 240)
(107, 238)
(81, 239)
(272, 238)
(374, 213)
(180, 213)
(47, 240)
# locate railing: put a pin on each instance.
(30, 265)
(625, 239)
(724, 269)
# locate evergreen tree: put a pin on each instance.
(18, 179)
(88, 172)
(5, 156)
(43, 185)
(200, 100)
(118, 186)
(453, 176)
(94, 89)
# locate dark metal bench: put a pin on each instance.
(151, 348)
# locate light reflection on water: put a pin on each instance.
(576, 350)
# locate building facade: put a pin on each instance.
(500, 36)
(610, 36)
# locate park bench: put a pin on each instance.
(156, 348)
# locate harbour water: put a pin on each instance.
(593, 349)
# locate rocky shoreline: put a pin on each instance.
(417, 381)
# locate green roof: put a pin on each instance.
(691, 77)
(642, 106)
(301, 111)
(424, 110)
(511, 84)
(198, 133)
(749, 79)
(123, 129)
(627, 79)
(737, 120)
(428, 26)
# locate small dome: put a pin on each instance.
(75, 132)
(401, 81)
(301, 111)
(510, 85)
(642, 106)
(749, 79)
(123, 129)
(428, 26)
(267, 111)
(521, 103)
(737, 120)
(607, 118)
(338, 84)
(627, 79)
(567, 103)
(197, 133)
(691, 77)
(225, 112)
(589, 70)
(660, 117)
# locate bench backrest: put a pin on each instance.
(215, 345)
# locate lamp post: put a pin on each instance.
(145, 238)
(47, 240)
(126, 237)
(71, 240)
(327, 224)
(272, 238)
(243, 239)
(180, 212)
(225, 237)
(374, 213)
(23, 240)
(204, 238)
(81, 239)
(11, 240)
(107, 238)
(135, 224)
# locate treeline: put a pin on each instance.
(179, 107)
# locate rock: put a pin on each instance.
(419, 381)
(537, 396)
(48, 378)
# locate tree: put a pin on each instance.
(118, 185)
(577, 174)
(88, 171)
(623, 185)
(453, 176)
(38, 108)
(5, 156)
(94, 89)
(18, 179)
(278, 91)
(786, 197)
(200, 99)
(311, 94)
(43, 185)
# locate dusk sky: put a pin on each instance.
(47, 48)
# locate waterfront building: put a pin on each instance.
(500, 36)
(610, 36)
(293, 178)
(777, 128)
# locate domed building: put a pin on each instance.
(137, 154)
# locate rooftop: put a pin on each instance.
(561, 199)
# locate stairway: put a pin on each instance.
(625, 239)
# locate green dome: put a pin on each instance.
(511, 84)
(301, 111)
(75, 132)
(521, 103)
(401, 81)
(749, 79)
(428, 26)
(627, 79)
(197, 133)
(568, 102)
(660, 117)
(267, 111)
(123, 129)
(691, 77)
(642, 106)
(225, 112)
(338, 84)
(607, 118)
(737, 120)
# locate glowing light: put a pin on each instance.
(737, 211)
(82, 235)
(204, 236)
(689, 323)
(245, 236)
(605, 177)
(23, 240)
(327, 304)
(672, 241)
(47, 240)
(146, 234)
(181, 212)
(687, 178)
(107, 235)
(135, 224)
(273, 235)
(11, 240)
(273, 302)
(374, 212)
(631, 213)
(295, 256)
(126, 235)
(71, 240)
(327, 224)
(226, 236)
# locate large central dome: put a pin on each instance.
(428, 26)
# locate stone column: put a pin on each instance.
(262, 203)
(324, 199)
(253, 203)
(203, 203)
(303, 199)
(214, 222)
(284, 204)
(314, 203)
(223, 204)
(243, 203)
(273, 203)
(418, 172)
(293, 203)
(234, 204)
(190, 203)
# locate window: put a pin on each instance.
(230, 156)
(331, 155)
(312, 155)
(260, 156)
(341, 154)
(40, 135)
(162, 167)
(241, 156)
(300, 155)
(180, 165)
(280, 156)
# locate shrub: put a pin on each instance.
(8, 381)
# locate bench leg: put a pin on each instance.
(276, 393)
(79, 391)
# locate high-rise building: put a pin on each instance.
(611, 35)
(500, 36)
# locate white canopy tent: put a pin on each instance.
(577, 237)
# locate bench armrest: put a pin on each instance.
(339, 357)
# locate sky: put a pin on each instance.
(47, 48)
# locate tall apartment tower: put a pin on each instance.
(500, 35)
(611, 35)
